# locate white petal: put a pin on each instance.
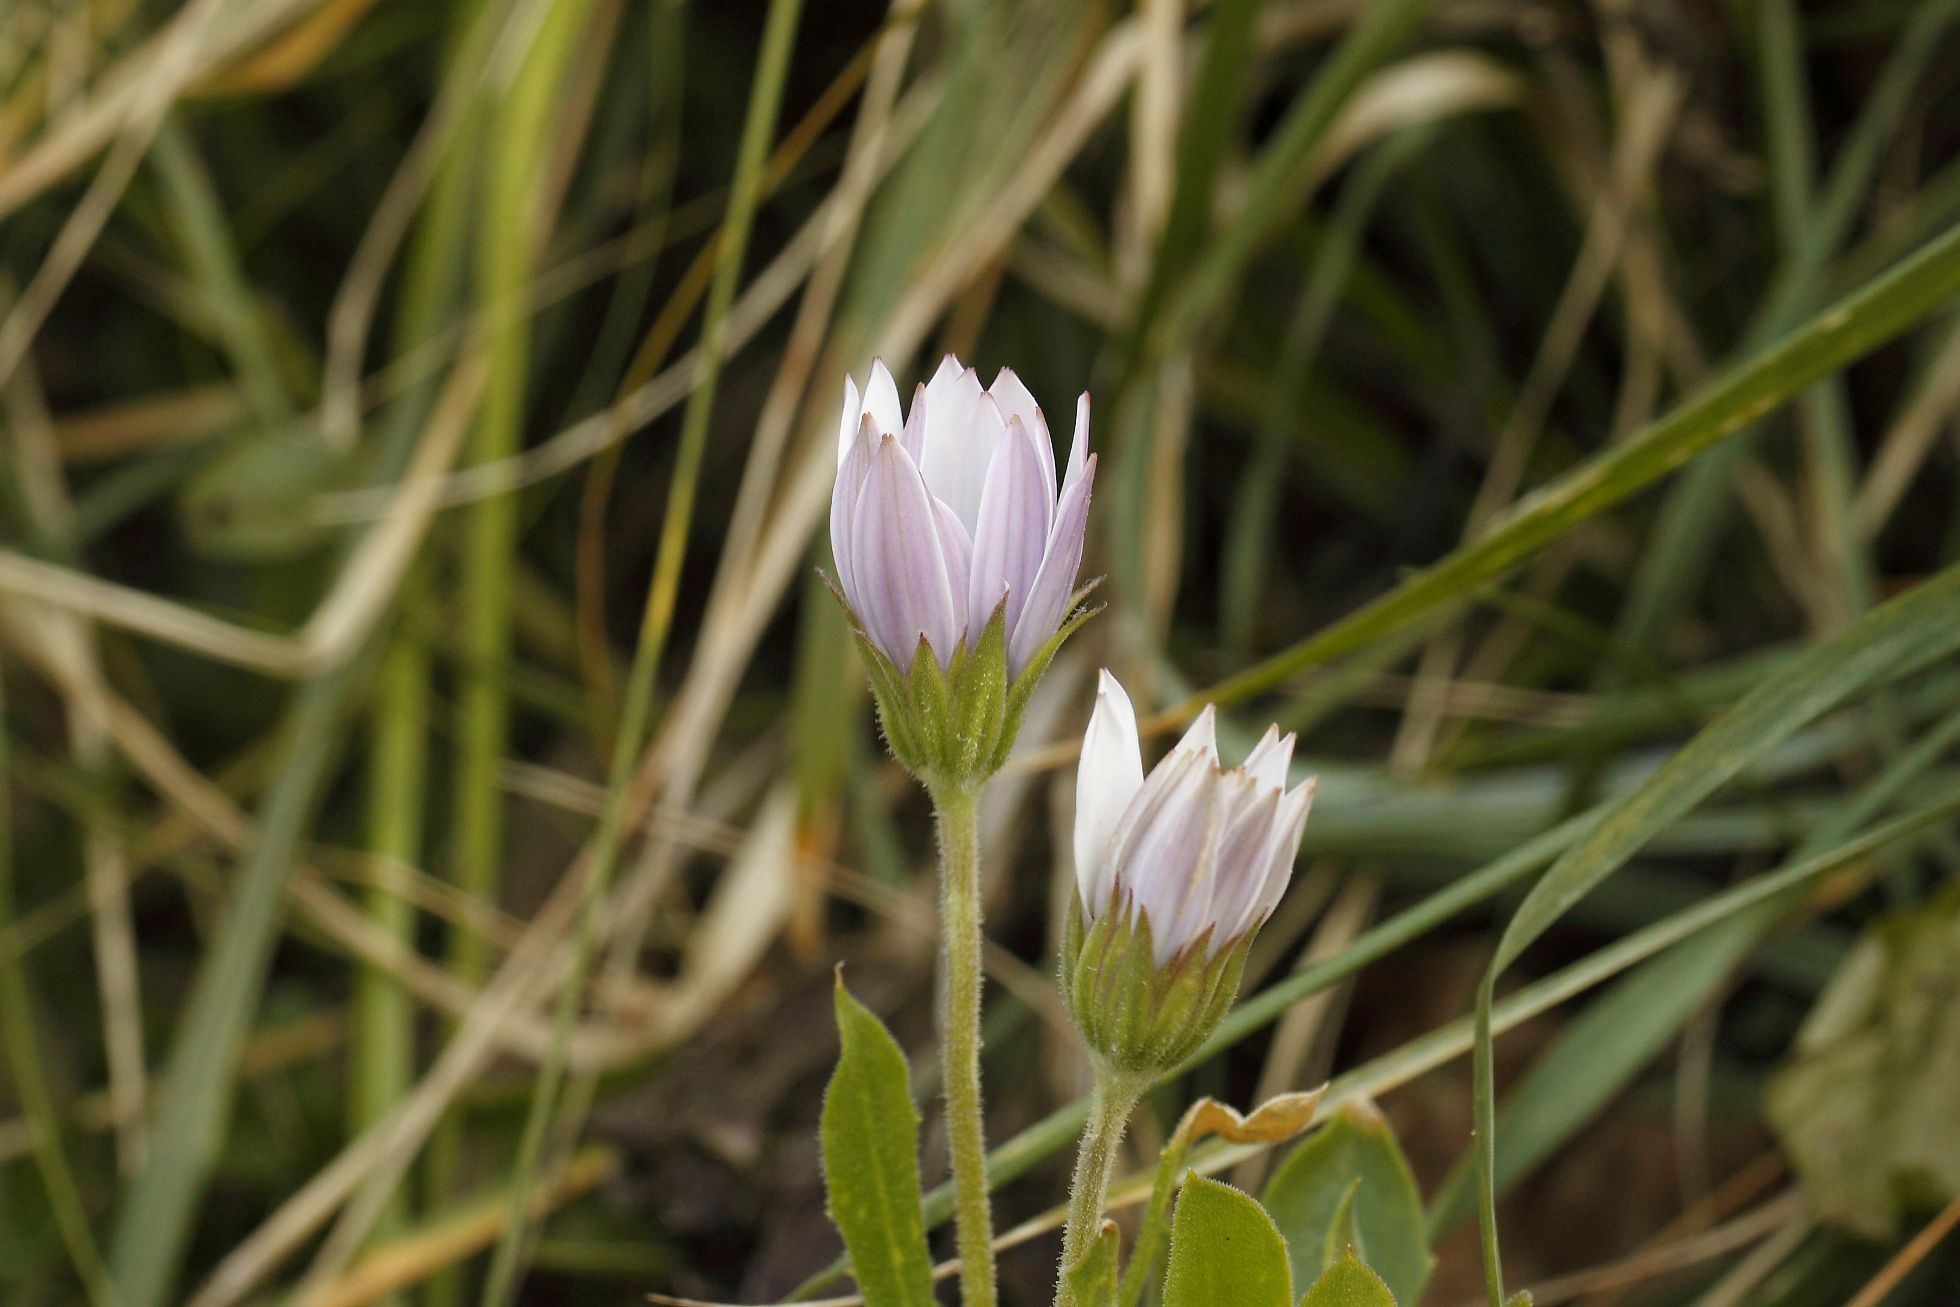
(963, 428)
(1011, 536)
(881, 400)
(1107, 777)
(1078, 447)
(1269, 759)
(1201, 737)
(898, 562)
(847, 425)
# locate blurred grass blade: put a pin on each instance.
(24, 1065)
(194, 1094)
(1911, 631)
(1852, 328)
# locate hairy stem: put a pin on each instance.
(1113, 1099)
(959, 1015)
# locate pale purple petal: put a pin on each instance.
(958, 553)
(1244, 858)
(1016, 401)
(1054, 584)
(1163, 846)
(844, 496)
(1012, 534)
(881, 400)
(847, 426)
(1289, 824)
(898, 564)
(1107, 778)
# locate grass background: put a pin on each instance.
(436, 775)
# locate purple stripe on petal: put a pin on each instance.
(1048, 597)
(1012, 534)
(898, 563)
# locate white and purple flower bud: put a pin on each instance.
(1175, 873)
(956, 547)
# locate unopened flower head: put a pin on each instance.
(957, 545)
(1175, 873)
(944, 515)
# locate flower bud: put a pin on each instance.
(1175, 873)
(956, 558)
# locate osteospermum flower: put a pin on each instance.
(1175, 873)
(956, 558)
(950, 513)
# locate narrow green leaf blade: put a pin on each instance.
(1349, 1283)
(1907, 633)
(871, 1161)
(1829, 342)
(1225, 1251)
(1305, 1197)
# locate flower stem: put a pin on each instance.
(1110, 1104)
(957, 809)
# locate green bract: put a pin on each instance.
(953, 726)
(1139, 1018)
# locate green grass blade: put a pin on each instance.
(1850, 329)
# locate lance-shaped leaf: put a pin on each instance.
(1306, 1193)
(871, 1161)
(1225, 1251)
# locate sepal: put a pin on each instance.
(1140, 1018)
(954, 725)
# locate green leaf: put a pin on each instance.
(1343, 1232)
(1277, 1119)
(1349, 1283)
(1092, 1281)
(1869, 1106)
(871, 1161)
(1306, 1194)
(1225, 1251)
